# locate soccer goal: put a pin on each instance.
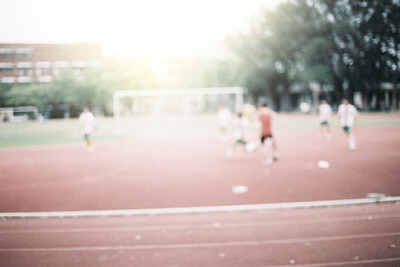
(18, 114)
(186, 101)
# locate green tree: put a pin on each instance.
(272, 49)
(365, 35)
(4, 89)
(348, 45)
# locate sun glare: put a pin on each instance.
(153, 28)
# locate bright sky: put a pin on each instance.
(166, 28)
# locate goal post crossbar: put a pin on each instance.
(23, 109)
(237, 91)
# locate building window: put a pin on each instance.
(44, 79)
(24, 65)
(43, 65)
(24, 79)
(61, 64)
(7, 80)
(7, 52)
(94, 64)
(24, 52)
(24, 68)
(78, 64)
(6, 67)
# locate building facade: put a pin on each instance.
(41, 63)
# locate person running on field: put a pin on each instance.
(86, 120)
(224, 117)
(348, 114)
(325, 112)
(266, 137)
(242, 131)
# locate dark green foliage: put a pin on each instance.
(348, 45)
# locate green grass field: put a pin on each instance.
(52, 132)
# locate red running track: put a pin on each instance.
(188, 172)
(343, 236)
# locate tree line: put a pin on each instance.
(339, 46)
(318, 48)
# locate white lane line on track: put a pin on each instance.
(198, 210)
(203, 245)
(202, 226)
(338, 263)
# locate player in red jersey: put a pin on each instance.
(265, 116)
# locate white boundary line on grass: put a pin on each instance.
(197, 210)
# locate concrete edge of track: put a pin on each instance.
(198, 210)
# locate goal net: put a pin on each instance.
(19, 114)
(176, 101)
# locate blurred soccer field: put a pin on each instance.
(67, 131)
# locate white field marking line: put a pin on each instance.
(204, 245)
(337, 263)
(201, 226)
(197, 210)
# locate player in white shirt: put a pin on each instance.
(224, 118)
(86, 120)
(348, 114)
(325, 112)
(242, 135)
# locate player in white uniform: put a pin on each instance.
(86, 120)
(348, 114)
(224, 117)
(325, 112)
(242, 135)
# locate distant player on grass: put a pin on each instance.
(266, 137)
(325, 112)
(348, 114)
(86, 120)
(241, 136)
